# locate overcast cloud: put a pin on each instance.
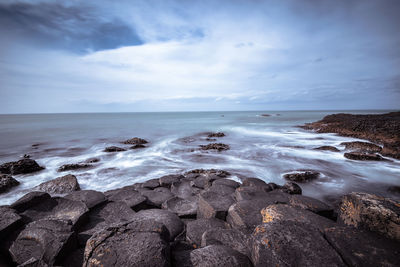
(111, 56)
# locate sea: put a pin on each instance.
(264, 147)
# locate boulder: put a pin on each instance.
(133, 198)
(174, 225)
(142, 243)
(183, 189)
(138, 146)
(217, 134)
(30, 200)
(7, 182)
(312, 204)
(57, 208)
(221, 189)
(9, 221)
(250, 192)
(46, 240)
(291, 188)
(363, 248)
(215, 146)
(168, 180)
(135, 141)
(153, 183)
(184, 208)
(291, 243)
(214, 205)
(254, 182)
(302, 176)
(196, 229)
(371, 212)
(362, 146)
(114, 149)
(226, 182)
(60, 185)
(90, 198)
(74, 166)
(22, 166)
(203, 181)
(327, 148)
(155, 198)
(218, 255)
(228, 237)
(363, 156)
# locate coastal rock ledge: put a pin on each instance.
(198, 218)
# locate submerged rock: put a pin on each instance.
(7, 182)
(217, 134)
(135, 141)
(363, 156)
(74, 166)
(60, 185)
(114, 149)
(302, 176)
(215, 146)
(22, 166)
(362, 146)
(91, 160)
(137, 146)
(327, 148)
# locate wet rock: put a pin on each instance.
(204, 181)
(184, 208)
(283, 212)
(135, 244)
(30, 200)
(312, 204)
(92, 160)
(32, 262)
(153, 183)
(90, 198)
(301, 176)
(228, 237)
(210, 172)
(74, 166)
(394, 189)
(156, 197)
(363, 156)
(168, 180)
(183, 189)
(174, 225)
(138, 146)
(135, 141)
(215, 146)
(129, 196)
(196, 229)
(214, 205)
(362, 248)
(218, 255)
(327, 148)
(47, 240)
(9, 221)
(57, 208)
(22, 166)
(60, 185)
(290, 243)
(250, 192)
(291, 188)
(7, 182)
(114, 149)
(254, 182)
(371, 212)
(226, 182)
(362, 146)
(217, 134)
(221, 189)
(74, 259)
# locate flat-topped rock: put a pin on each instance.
(214, 205)
(133, 198)
(22, 166)
(135, 141)
(250, 192)
(60, 185)
(218, 255)
(30, 200)
(228, 237)
(46, 240)
(311, 204)
(7, 182)
(362, 146)
(291, 243)
(184, 208)
(156, 197)
(90, 198)
(111, 149)
(74, 166)
(196, 229)
(301, 176)
(363, 156)
(226, 182)
(168, 180)
(153, 183)
(206, 172)
(184, 189)
(371, 212)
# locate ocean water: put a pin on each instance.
(262, 147)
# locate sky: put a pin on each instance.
(188, 55)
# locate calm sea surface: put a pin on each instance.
(263, 147)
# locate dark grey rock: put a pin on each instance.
(218, 255)
(91, 160)
(228, 237)
(60, 185)
(156, 198)
(254, 182)
(20, 167)
(311, 204)
(153, 183)
(327, 148)
(250, 192)
(214, 205)
(184, 208)
(9, 221)
(29, 200)
(168, 180)
(183, 189)
(363, 156)
(91, 198)
(195, 229)
(291, 188)
(135, 141)
(137, 146)
(74, 166)
(217, 134)
(128, 195)
(362, 146)
(114, 149)
(221, 189)
(7, 182)
(302, 176)
(215, 146)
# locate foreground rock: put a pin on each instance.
(135, 141)
(22, 166)
(7, 182)
(218, 255)
(129, 196)
(184, 208)
(215, 146)
(363, 156)
(371, 212)
(214, 205)
(196, 229)
(60, 185)
(9, 220)
(74, 166)
(90, 198)
(228, 237)
(142, 243)
(301, 176)
(381, 128)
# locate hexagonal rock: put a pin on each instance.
(226, 182)
(128, 195)
(142, 243)
(218, 255)
(363, 248)
(60, 185)
(291, 188)
(249, 192)
(246, 214)
(57, 208)
(174, 225)
(47, 240)
(91, 198)
(156, 197)
(283, 212)
(214, 205)
(228, 237)
(195, 229)
(20, 167)
(290, 243)
(311, 204)
(184, 208)
(168, 180)
(371, 212)
(151, 184)
(7, 182)
(254, 182)
(210, 172)
(183, 189)
(203, 181)
(221, 189)
(9, 220)
(29, 200)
